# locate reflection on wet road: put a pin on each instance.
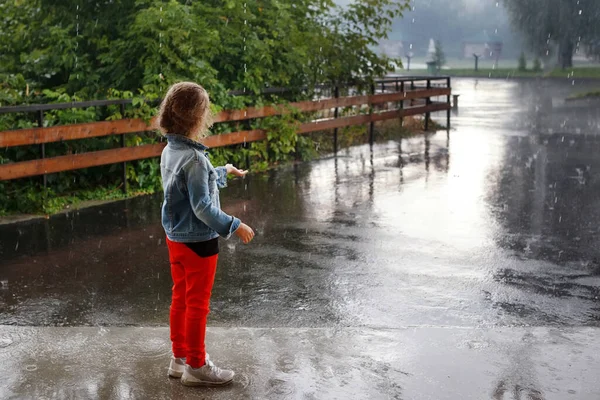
(382, 269)
(495, 224)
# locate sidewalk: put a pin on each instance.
(297, 363)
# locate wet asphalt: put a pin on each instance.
(493, 226)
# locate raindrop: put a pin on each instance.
(31, 368)
(17, 246)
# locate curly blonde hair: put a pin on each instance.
(185, 110)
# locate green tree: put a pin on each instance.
(549, 24)
(65, 50)
(537, 65)
(439, 57)
(522, 62)
(87, 47)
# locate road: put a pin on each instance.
(445, 266)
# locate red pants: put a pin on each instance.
(193, 278)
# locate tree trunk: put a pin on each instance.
(565, 54)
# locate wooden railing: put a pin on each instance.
(397, 91)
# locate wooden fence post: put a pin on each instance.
(371, 124)
(449, 85)
(402, 103)
(336, 94)
(124, 165)
(40, 118)
(427, 102)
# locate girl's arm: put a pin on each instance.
(227, 169)
(197, 175)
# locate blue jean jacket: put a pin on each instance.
(191, 211)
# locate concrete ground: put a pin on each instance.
(308, 363)
(461, 266)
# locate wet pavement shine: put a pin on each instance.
(445, 266)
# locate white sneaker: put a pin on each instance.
(207, 375)
(177, 366)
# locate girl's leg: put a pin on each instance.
(177, 311)
(199, 278)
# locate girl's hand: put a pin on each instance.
(245, 233)
(234, 171)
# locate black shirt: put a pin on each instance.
(205, 249)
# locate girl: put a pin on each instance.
(193, 221)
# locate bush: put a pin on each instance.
(522, 62)
(537, 65)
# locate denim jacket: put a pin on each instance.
(191, 211)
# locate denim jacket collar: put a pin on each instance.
(185, 141)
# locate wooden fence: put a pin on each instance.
(409, 96)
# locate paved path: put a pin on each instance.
(308, 363)
(434, 267)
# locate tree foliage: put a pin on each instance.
(522, 62)
(54, 51)
(439, 57)
(89, 46)
(556, 24)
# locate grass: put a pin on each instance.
(577, 72)
(492, 73)
(54, 204)
(586, 95)
(574, 73)
(482, 72)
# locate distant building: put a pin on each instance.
(486, 46)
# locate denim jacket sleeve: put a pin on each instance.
(221, 177)
(197, 176)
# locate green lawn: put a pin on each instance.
(593, 94)
(577, 72)
(491, 73)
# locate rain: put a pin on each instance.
(406, 259)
